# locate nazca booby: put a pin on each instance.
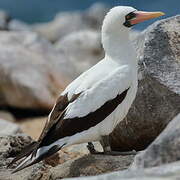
(94, 103)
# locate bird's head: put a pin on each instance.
(115, 29)
(124, 17)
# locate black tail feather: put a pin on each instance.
(24, 153)
(32, 158)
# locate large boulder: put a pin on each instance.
(165, 149)
(17, 25)
(32, 72)
(81, 54)
(66, 22)
(7, 116)
(4, 20)
(32, 126)
(8, 128)
(75, 161)
(9, 24)
(158, 96)
(63, 24)
(90, 165)
(94, 15)
(166, 172)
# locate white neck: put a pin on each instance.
(118, 47)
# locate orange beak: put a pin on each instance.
(143, 16)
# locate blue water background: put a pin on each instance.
(32, 11)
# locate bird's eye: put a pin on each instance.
(130, 16)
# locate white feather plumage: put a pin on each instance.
(108, 78)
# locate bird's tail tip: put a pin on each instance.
(24, 164)
(34, 157)
(23, 154)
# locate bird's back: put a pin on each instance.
(90, 77)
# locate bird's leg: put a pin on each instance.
(91, 148)
(105, 143)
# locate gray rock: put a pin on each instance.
(164, 149)
(8, 128)
(11, 146)
(4, 20)
(67, 22)
(81, 54)
(167, 172)
(17, 25)
(158, 96)
(89, 165)
(74, 152)
(95, 14)
(32, 72)
(7, 116)
(63, 24)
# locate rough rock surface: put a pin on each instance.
(11, 146)
(165, 149)
(89, 165)
(31, 71)
(81, 54)
(75, 152)
(86, 165)
(67, 22)
(158, 96)
(17, 25)
(75, 161)
(167, 172)
(8, 128)
(78, 165)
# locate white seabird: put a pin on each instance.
(94, 103)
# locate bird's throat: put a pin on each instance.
(119, 47)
